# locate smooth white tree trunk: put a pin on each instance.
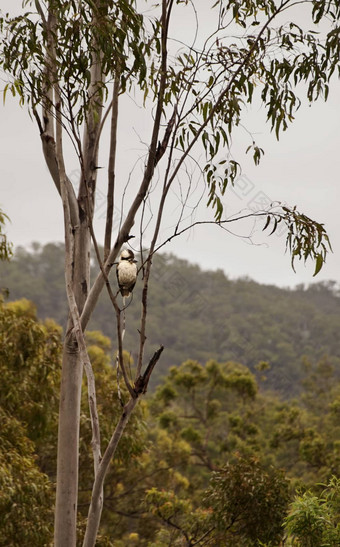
(68, 448)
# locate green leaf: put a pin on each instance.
(274, 227)
(318, 264)
(4, 92)
(267, 223)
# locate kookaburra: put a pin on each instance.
(126, 272)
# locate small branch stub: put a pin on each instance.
(142, 382)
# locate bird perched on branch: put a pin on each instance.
(126, 272)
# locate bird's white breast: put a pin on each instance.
(127, 272)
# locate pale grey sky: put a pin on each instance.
(301, 169)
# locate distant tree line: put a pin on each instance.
(248, 322)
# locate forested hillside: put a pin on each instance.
(201, 315)
(207, 458)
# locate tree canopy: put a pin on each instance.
(248, 51)
(5, 245)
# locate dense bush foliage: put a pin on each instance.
(210, 457)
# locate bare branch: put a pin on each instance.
(219, 224)
(46, 125)
(163, 145)
(112, 167)
(96, 504)
(93, 127)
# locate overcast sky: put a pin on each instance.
(301, 169)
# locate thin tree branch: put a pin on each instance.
(112, 166)
(158, 155)
(202, 538)
(46, 126)
(93, 127)
(219, 223)
(177, 527)
(95, 509)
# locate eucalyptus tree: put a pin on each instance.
(79, 65)
(5, 245)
